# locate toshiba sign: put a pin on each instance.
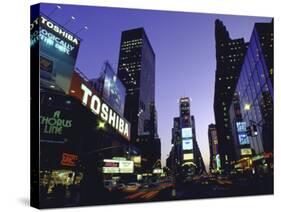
(89, 98)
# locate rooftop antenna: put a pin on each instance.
(83, 28)
(72, 18)
(58, 7)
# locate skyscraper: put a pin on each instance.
(188, 148)
(187, 136)
(136, 69)
(229, 56)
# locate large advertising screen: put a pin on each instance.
(241, 127)
(58, 52)
(242, 133)
(113, 90)
(243, 139)
(187, 142)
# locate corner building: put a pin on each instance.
(229, 56)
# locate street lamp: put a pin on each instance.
(247, 106)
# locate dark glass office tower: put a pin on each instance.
(136, 69)
(229, 56)
(255, 87)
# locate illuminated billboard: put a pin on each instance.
(89, 97)
(241, 127)
(243, 138)
(242, 133)
(117, 166)
(188, 156)
(58, 49)
(56, 126)
(246, 151)
(126, 166)
(113, 90)
(187, 141)
(187, 144)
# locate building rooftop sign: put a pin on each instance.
(89, 98)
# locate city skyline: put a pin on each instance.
(178, 62)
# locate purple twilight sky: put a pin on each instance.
(184, 45)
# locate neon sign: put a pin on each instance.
(52, 40)
(100, 108)
(69, 159)
(57, 38)
(54, 125)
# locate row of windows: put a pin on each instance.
(131, 47)
(137, 43)
(232, 43)
(227, 78)
(132, 41)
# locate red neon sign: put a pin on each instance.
(69, 159)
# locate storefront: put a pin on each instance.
(74, 142)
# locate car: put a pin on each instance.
(131, 187)
(109, 184)
(120, 186)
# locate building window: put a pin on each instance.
(46, 64)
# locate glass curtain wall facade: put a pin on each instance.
(255, 87)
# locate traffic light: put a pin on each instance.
(252, 130)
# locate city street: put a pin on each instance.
(204, 188)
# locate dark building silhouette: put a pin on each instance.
(214, 150)
(198, 159)
(176, 142)
(229, 56)
(136, 69)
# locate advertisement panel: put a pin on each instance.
(55, 125)
(187, 141)
(58, 52)
(157, 171)
(113, 90)
(118, 166)
(110, 166)
(126, 166)
(188, 156)
(241, 127)
(246, 151)
(187, 144)
(186, 132)
(243, 139)
(242, 133)
(89, 97)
